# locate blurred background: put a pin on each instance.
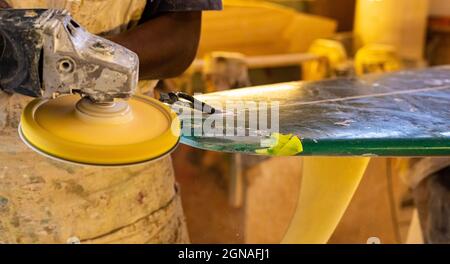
(241, 199)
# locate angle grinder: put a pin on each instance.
(86, 109)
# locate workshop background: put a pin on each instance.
(212, 197)
(231, 198)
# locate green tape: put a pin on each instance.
(282, 145)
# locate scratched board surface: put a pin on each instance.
(398, 114)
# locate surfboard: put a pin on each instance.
(404, 113)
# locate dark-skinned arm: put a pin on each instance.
(166, 45)
(3, 4)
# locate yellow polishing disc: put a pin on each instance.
(120, 133)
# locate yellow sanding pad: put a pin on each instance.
(120, 133)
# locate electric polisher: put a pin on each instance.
(86, 109)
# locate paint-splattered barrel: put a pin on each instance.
(48, 201)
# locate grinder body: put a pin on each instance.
(45, 53)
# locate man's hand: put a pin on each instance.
(3, 4)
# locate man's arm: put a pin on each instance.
(3, 4)
(166, 45)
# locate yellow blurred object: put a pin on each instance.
(399, 23)
(377, 58)
(119, 133)
(260, 28)
(334, 55)
(282, 145)
(327, 187)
